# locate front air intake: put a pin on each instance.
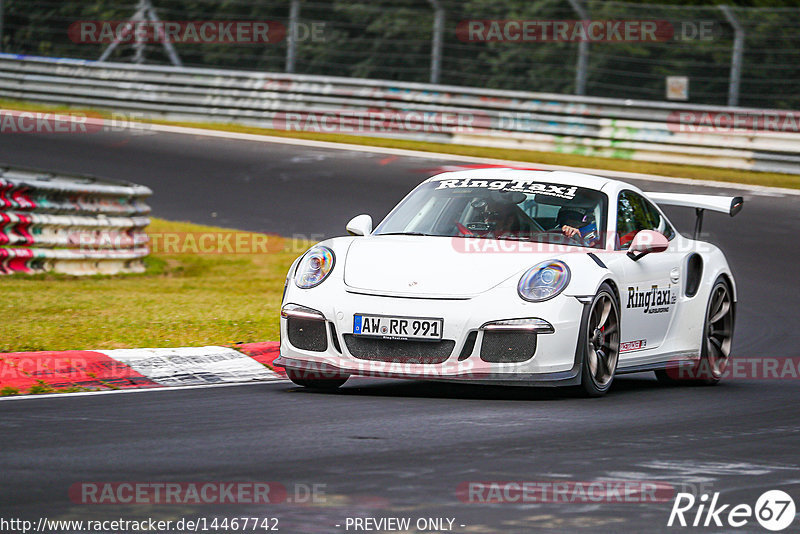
(507, 346)
(307, 334)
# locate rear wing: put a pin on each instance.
(729, 205)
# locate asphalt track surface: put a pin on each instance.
(394, 448)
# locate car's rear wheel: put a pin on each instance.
(601, 343)
(312, 380)
(716, 345)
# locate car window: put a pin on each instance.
(512, 209)
(636, 213)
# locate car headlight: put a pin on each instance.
(315, 266)
(544, 281)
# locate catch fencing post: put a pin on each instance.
(291, 43)
(139, 45)
(437, 40)
(583, 51)
(144, 11)
(736, 55)
(139, 15)
(1, 25)
(171, 52)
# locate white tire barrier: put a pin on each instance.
(70, 224)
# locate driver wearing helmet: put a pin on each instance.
(577, 223)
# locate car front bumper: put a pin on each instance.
(468, 322)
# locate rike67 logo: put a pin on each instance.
(774, 510)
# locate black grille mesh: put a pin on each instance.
(307, 334)
(389, 350)
(507, 347)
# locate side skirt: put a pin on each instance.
(673, 360)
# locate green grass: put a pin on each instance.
(181, 300)
(547, 158)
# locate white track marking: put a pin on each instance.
(192, 365)
(279, 379)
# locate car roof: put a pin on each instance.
(557, 177)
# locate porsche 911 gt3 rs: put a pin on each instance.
(508, 276)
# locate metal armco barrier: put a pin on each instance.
(626, 129)
(70, 224)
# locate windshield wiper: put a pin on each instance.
(407, 233)
(516, 238)
(490, 236)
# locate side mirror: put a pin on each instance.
(645, 242)
(360, 225)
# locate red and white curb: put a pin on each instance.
(22, 373)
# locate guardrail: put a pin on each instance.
(70, 224)
(626, 129)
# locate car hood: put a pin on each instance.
(421, 266)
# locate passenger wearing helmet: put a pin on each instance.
(577, 223)
(502, 219)
(495, 217)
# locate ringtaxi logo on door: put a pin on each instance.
(774, 510)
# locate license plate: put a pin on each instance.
(400, 328)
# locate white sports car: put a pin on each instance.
(510, 276)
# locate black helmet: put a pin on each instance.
(574, 216)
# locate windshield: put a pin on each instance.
(514, 209)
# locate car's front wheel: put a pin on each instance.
(312, 380)
(600, 343)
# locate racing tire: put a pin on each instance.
(312, 381)
(600, 343)
(715, 347)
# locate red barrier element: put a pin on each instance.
(22, 200)
(4, 222)
(264, 353)
(5, 188)
(15, 260)
(17, 225)
(22, 228)
(67, 369)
